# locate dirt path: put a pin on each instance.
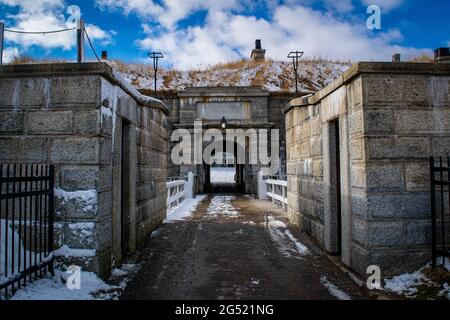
(236, 248)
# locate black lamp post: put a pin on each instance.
(295, 56)
(223, 123)
(156, 56)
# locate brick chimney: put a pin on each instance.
(258, 54)
(442, 55)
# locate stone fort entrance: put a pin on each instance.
(241, 108)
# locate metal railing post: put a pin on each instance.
(51, 215)
(80, 41)
(2, 39)
(433, 211)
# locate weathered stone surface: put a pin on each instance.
(398, 148)
(359, 232)
(75, 91)
(417, 177)
(73, 206)
(418, 233)
(28, 92)
(356, 149)
(316, 146)
(105, 178)
(360, 258)
(396, 88)
(312, 188)
(74, 150)
(87, 122)
(359, 206)
(358, 175)
(356, 122)
(440, 146)
(50, 122)
(379, 121)
(416, 121)
(106, 151)
(106, 122)
(74, 178)
(384, 178)
(11, 122)
(410, 205)
(104, 230)
(80, 235)
(23, 149)
(105, 200)
(395, 262)
(386, 234)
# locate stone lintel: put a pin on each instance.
(231, 91)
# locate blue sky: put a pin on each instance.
(195, 33)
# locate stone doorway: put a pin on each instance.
(224, 175)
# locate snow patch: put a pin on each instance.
(54, 288)
(406, 284)
(184, 210)
(287, 244)
(221, 205)
(67, 252)
(87, 200)
(333, 290)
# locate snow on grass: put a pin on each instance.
(54, 288)
(271, 75)
(184, 210)
(405, 284)
(11, 242)
(6, 237)
(410, 284)
(287, 244)
(91, 287)
(223, 175)
(334, 290)
(221, 206)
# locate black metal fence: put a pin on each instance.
(26, 225)
(440, 203)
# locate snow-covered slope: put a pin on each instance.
(271, 75)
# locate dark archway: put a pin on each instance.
(236, 186)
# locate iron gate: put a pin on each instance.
(26, 224)
(440, 203)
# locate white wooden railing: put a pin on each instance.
(273, 188)
(178, 190)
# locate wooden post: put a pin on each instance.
(80, 41)
(2, 37)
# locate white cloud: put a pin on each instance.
(9, 54)
(170, 11)
(34, 5)
(386, 5)
(226, 36)
(46, 15)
